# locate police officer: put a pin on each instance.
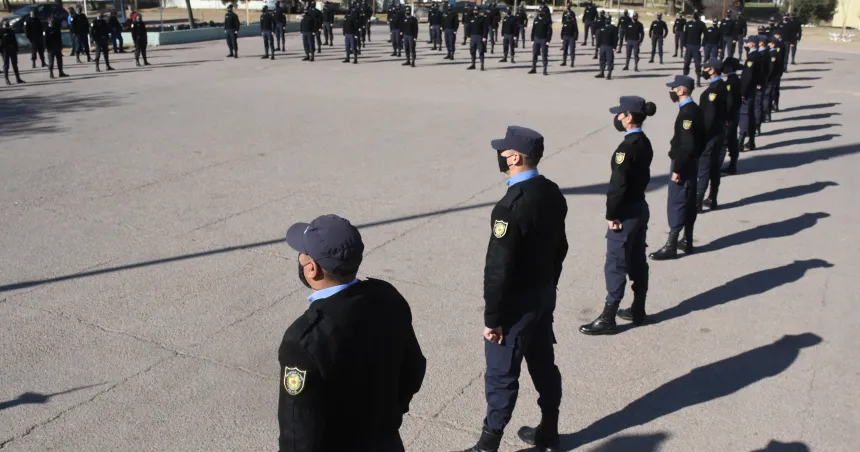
(749, 92)
(795, 31)
(435, 21)
(468, 15)
(606, 39)
(267, 29)
(494, 17)
(693, 31)
(728, 30)
(541, 37)
(451, 23)
(360, 20)
(318, 21)
(657, 33)
(35, 33)
(741, 33)
(777, 59)
(523, 23)
(624, 23)
(602, 21)
(9, 49)
(589, 15)
(627, 214)
(678, 30)
(711, 42)
(328, 23)
(510, 31)
(392, 26)
(350, 35)
(368, 20)
(308, 28)
(686, 147)
(733, 107)
(101, 36)
(231, 31)
(72, 35)
(409, 30)
(523, 265)
(54, 45)
(138, 36)
(713, 102)
(765, 70)
(328, 349)
(479, 28)
(81, 28)
(396, 37)
(635, 33)
(569, 35)
(115, 33)
(280, 27)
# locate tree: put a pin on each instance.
(815, 11)
(190, 14)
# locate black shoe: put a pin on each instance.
(79, 60)
(471, 67)
(533, 71)
(651, 61)
(541, 438)
(228, 56)
(8, 82)
(110, 68)
(355, 61)
(669, 250)
(146, 63)
(600, 75)
(236, 55)
(278, 49)
(636, 68)
(413, 65)
(34, 64)
(503, 60)
(625, 68)
(512, 60)
(609, 75)
(272, 57)
(306, 58)
(482, 65)
(63, 74)
(711, 202)
(394, 54)
(603, 324)
(488, 442)
(51, 74)
(545, 72)
(594, 57)
(265, 57)
(313, 57)
(733, 168)
(407, 63)
(686, 245)
(675, 56)
(635, 314)
(563, 63)
(137, 63)
(751, 145)
(347, 60)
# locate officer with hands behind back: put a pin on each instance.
(351, 363)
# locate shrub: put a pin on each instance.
(813, 11)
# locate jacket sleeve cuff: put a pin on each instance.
(492, 319)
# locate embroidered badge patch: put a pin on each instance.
(500, 228)
(729, 88)
(749, 63)
(687, 125)
(712, 96)
(294, 380)
(773, 60)
(619, 157)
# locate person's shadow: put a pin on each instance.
(35, 398)
(700, 385)
(779, 194)
(776, 446)
(779, 229)
(745, 286)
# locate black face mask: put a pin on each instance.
(674, 96)
(302, 275)
(503, 163)
(619, 126)
(706, 75)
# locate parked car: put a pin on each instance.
(44, 11)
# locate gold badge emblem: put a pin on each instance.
(500, 228)
(687, 125)
(778, 49)
(712, 96)
(729, 88)
(619, 157)
(749, 63)
(294, 380)
(773, 60)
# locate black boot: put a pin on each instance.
(307, 57)
(63, 74)
(651, 60)
(733, 167)
(609, 75)
(471, 67)
(488, 442)
(265, 57)
(563, 62)
(687, 243)
(504, 60)
(636, 67)
(98, 68)
(699, 79)
(711, 201)
(700, 199)
(312, 57)
(751, 145)
(544, 437)
(137, 63)
(600, 75)
(544, 71)
(18, 79)
(7, 81)
(413, 64)
(512, 60)
(626, 67)
(346, 60)
(534, 70)
(407, 63)
(109, 67)
(669, 250)
(51, 73)
(603, 324)
(636, 312)
(482, 65)
(34, 64)
(78, 57)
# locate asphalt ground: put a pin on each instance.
(145, 285)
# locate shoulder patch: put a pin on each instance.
(773, 59)
(500, 228)
(619, 157)
(294, 380)
(778, 49)
(729, 87)
(687, 124)
(712, 96)
(749, 63)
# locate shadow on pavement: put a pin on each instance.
(811, 70)
(34, 112)
(35, 398)
(807, 117)
(785, 88)
(746, 286)
(797, 141)
(776, 446)
(809, 128)
(810, 107)
(800, 79)
(775, 230)
(700, 385)
(780, 194)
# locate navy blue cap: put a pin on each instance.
(682, 80)
(774, 40)
(331, 241)
(751, 40)
(629, 104)
(714, 63)
(732, 64)
(523, 140)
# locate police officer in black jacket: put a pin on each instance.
(729, 33)
(713, 102)
(523, 266)
(712, 41)
(779, 50)
(138, 35)
(231, 31)
(765, 70)
(494, 17)
(435, 22)
(468, 15)
(9, 49)
(627, 215)
(686, 147)
(350, 35)
(658, 33)
(81, 29)
(635, 33)
(54, 45)
(678, 30)
(523, 23)
(350, 365)
(35, 33)
(693, 32)
(395, 24)
(101, 36)
(569, 35)
(116, 33)
(589, 15)
(623, 24)
(510, 31)
(267, 29)
(451, 23)
(308, 28)
(741, 33)
(409, 30)
(280, 27)
(479, 27)
(749, 91)
(328, 24)
(599, 23)
(318, 21)
(541, 37)
(607, 37)
(733, 107)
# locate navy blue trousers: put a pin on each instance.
(568, 45)
(436, 35)
(625, 254)
(509, 43)
(309, 41)
(711, 51)
(761, 99)
(586, 34)
(695, 55)
(450, 40)
(732, 136)
(409, 42)
(680, 42)
(351, 46)
(728, 49)
(681, 205)
(607, 58)
(632, 49)
(747, 115)
(476, 47)
(527, 335)
(657, 47)
(539, 46)
(710, 164)
(280, 36)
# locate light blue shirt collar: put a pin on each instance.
(754, 50)
(685, 102)
(325, 293)
(636, 130)
(522, 177)
(731, 73)
(717, 78)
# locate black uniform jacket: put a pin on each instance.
(231, 21)
(713, 104)
(713, 36)
(138, 32)
(607, 35)
(450, 21)
(267, 22)
(527, 246)
(510, 25)
(479, 25)
(688, 143)
(734, 102)
(693, 32)
(349, 368)
(409, 26)
(679, 25)
(569, 27)
(658, 29)
(749, 76)
(33, 29)
(631, 172)
(542, 28)
(635, 31)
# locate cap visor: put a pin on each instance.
(500, 145)
(616, 110)
(671, 85)
(295, 235)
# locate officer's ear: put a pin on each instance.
(315, 271)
